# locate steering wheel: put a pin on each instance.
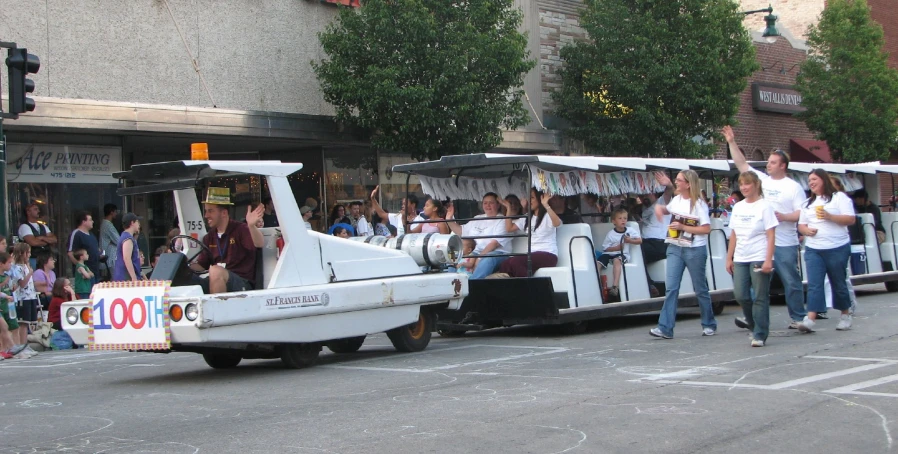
(191, 239)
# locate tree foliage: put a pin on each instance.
(654, 75)
(850, 93)
(427, 77)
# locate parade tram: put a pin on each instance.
(312, 290)
(575, 290)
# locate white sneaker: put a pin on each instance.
(806, 325)
(794, 325)
(657, 333)
(30, 351)
(844, 323)
(708, 332)
(757, 343)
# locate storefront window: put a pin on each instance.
(393, 185)
(62, 180)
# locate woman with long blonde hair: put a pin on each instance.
(688, 233)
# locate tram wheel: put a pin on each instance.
(222, 360)
(892, 286)
(298, 356)
(416, 336)
(574, 328)
(718, 307)
(348, 345)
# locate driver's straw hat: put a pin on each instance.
(218, 196)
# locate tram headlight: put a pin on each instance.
(85, 315)
(191, 312)
(71, 315)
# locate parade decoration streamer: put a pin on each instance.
(572, 182)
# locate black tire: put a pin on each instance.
(452, 332)
(348, 345)
(222, 360)
(892, 286)
(574, 328)
(718, 307)
(298, 356)
(416, 336)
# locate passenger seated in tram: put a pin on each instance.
(862, 204)
(512, 206)
(567, 215)
(467, 265)
(616, 247)
(543, 244)
(232, 265)
(485, 225)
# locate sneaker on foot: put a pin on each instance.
(852, 308)
(613, 291)
(757, 343)
(794, 324)
(708, 332)
(806, 325)
(844, 323)
(16, 349)
(654, 292)
(5, 355)
(30, 350)
(822, 316)
(741, 323)
(657, 333)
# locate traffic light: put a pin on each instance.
(20, 64)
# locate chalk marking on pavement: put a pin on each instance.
(499, 374)
(547, 351)
(694, 370)
(711, 383)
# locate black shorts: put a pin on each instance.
(235, 283)
(604, 259)
(653, 250)
(26, 310)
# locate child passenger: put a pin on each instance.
(617, 246)
(467, 265)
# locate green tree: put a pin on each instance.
(850, 93)
(427, 77)
(654, 75)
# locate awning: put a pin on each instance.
(803, 150)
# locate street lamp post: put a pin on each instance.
(770, 31)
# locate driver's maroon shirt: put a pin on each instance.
(239, 250)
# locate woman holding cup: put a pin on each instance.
(824, 223)
(688, 203)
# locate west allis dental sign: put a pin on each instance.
(776, 98)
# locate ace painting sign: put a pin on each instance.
(48, 163)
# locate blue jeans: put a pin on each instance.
(679, 259)
(785, 264)
(486, 265)
(832, 263)
(752, 292)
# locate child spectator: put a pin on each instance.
(617, 246)
(24, 294)
(83, 275)
(467, 265)
(62, 292)
(8, 322)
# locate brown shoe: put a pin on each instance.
(654, 291)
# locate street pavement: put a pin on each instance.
(517, 390)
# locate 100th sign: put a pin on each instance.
(130, 316)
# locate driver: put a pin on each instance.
(232, 266)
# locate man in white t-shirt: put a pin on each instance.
(484, 225)
(785, 195)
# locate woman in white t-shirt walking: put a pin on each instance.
(824, 222)
(688, 203)
(750, 257)
(543, 244)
